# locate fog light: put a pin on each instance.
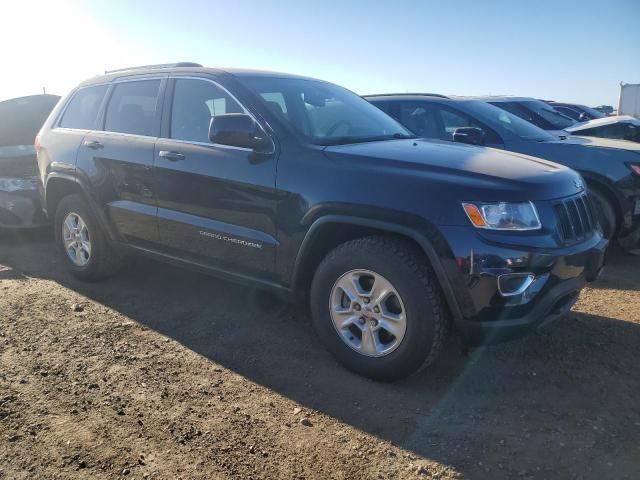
(512, 284)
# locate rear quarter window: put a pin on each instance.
(82, 110)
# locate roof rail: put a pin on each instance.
(159, 65)
(400, 94)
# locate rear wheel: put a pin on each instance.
(83, 244)
(376, 306)
(605, 213)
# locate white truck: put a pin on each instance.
(629, 103)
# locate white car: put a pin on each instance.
(623, 127)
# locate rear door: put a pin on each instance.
(216, 204)
(79, 116)
(117, 160)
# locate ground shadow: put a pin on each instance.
(456, 412)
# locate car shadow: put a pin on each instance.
(455, 412)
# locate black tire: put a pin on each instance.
(605, 213)
(104, 260)
(404, 266)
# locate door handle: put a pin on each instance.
(92, 144)
(173, 156)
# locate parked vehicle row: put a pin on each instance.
(609, 167)
(303, 187)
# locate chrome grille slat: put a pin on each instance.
(575, 219)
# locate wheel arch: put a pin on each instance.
(60, 185)
(329, 231)
(605, 188)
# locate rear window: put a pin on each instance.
(82, 110)
(132, 107)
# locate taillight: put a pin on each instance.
(635, 168)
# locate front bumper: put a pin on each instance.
(491, 317)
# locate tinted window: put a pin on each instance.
(132, 107)
(453, 119)
(82, 110)
(502, 120)
(422, 119)
(538, 113)
(622, 131)
(194, 103)
(569, 112)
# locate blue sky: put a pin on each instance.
(572, 50)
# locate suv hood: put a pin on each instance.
(484, 174)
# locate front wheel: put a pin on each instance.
(84, 246)
(605, 213)
(376, 306)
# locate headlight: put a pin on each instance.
(503, 216)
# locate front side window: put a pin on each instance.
(195, 102)
(132, 107)
(324, 114)
(502, 120)
(422, 119)
(82, 110)
(454, 119)
(569, 112)
(538, 113)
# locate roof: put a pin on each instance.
(184, 67)
(499, 98)
(405, 95)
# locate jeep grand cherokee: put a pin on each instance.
(302, 186)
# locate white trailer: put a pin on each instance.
(629, 103)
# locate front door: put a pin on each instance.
(216, 204)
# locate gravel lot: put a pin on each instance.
(165, 373)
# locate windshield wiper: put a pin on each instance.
(345, 140)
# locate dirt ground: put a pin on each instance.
(165, 373)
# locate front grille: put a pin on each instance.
(575, 219)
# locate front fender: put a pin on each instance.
(426, 236)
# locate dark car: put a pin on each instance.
(577, 112)
(20, 120)
(611, 168)
(534, 111)
(302, 186)
(561, 123)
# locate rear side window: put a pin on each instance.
(132, 107)
(194, 103)
(82, 110)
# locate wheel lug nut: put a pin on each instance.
(357, 307)
(376, 309)
(374, 322)
(361, 320)
(366, 300)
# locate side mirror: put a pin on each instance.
(470, 135)
(237, 130)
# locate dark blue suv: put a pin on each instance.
(303, 187)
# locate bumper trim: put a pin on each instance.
(554, 305)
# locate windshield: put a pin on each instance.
(324, 114)
(555, 119)
(502, 120)
(592, 112)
